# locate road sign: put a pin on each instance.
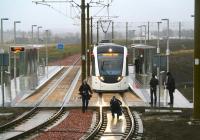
(60, 46)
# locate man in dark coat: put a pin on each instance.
(115, 105)
(84, 91)
(170, 85)
(153, 88)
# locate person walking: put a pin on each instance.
(153, 88)
(170, 85)
(115, 105)
(84, 92)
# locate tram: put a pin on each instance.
(109, 68)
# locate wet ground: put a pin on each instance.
(169, 127)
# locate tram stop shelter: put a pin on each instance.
(24, 68)
(143, 56)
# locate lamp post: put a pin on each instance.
(2, 19)
(167, 50)
(145, 32)
(47, 37)
(83, 40)
(133, 35)
(2, 82)
(32, 32)
(140, 34)
(158, 53)
(158, 38)
(15, 22)
(15, 69)
(38, 34)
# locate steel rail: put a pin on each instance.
(31, 112)
(49, 121)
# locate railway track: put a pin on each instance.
(133, 130)
(36, 119)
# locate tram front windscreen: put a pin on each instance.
(110, 64)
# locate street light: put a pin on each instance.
(145, 31)
(158, 38)
(15, 68)
(15, 22)
(2, 19)
(32, 32)
(38, 33)
(158, 53)
(47, 37)
(167, 50)
(140, 34)
(133, 35)
(1, 50)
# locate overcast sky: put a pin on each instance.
(128, 10)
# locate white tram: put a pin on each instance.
(110, 68)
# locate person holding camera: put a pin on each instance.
(84, 92)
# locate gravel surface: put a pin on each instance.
(72, 128)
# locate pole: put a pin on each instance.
(91, 31)
(88, 40)
(47, 33)
(38, 38)
(140, 34)
(148, 32)
(14, 32)
(145, 34)
(2, 70)
(158, 67)
(32, 34)
(97, 32)
(112, 32)
(196, 76)
(15, 75)
(15, 69)
(168, 51)
(126, 34)
(2, 86)
(133, 36)
(2, 32)
(83, 44)
(38, 34)
(180, 30)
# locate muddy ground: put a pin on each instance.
(170, 127)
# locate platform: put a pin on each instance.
(143, 92)
(21, 95)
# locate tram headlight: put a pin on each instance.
(101, 78)
(119, 78)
